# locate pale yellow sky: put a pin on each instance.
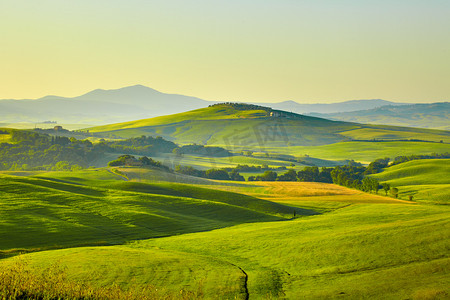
(260, 51)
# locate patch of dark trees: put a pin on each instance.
(228, 173)
(395, 140)
(242, 106)
(30, 150)
(402, 159)
(130, 160)
(33, 151)
(209, 151)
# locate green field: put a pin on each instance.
(74, 209)
(146, 233)
(225, 240)
(361, 251)
(426, 180)
(364, 151)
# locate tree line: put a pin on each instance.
(30, 150)
(402, 159)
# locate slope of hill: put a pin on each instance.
(255, 126)
(434, 115)
(97, 207)
(356, 252)
(426, 180)
(224, 124)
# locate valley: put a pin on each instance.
(119, 219)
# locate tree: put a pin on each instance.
(386, 187)
(177, 152)
(394, 192)
(234, 175)
(290, 175)
(247, 153)
(374, 185)
(268, 176)
(366, 185)
(217, 174)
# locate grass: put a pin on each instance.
(363, 151)
(19, 280)
(234, 127)
(426, 180)
(361, 251)
(208, 113)
(254, 129)
(310, 195)
(4, 138)
(298, 136)
(321, 197)
(204, 163)
(222, 240)
(54, 210)
(384, 132)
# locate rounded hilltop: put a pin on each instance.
(269, 112)
(242, 106)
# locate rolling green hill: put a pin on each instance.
(254, 126)
(97, 207)
(173, 239)
(357, 252)
(426, 180)
(226, 125)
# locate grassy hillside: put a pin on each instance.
(364, 151)
(97, 207)
(426, 180)
(362, 246)
(384, 132)
(223, 124)
(256, 127)
(361, 251)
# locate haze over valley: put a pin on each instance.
(102, 107)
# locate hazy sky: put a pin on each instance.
(237, 50)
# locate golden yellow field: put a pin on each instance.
(4, 138)
(307, 193)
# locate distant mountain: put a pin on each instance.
(325, 108)
(433, 115)
(139, 102)
(99, 106)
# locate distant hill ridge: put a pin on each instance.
(102, 106)
(248, 125)
(424, 115)
(138, 102)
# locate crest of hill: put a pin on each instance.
(251, 125)
(220, 111)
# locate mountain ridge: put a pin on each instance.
(423, 115)
(105, 106)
